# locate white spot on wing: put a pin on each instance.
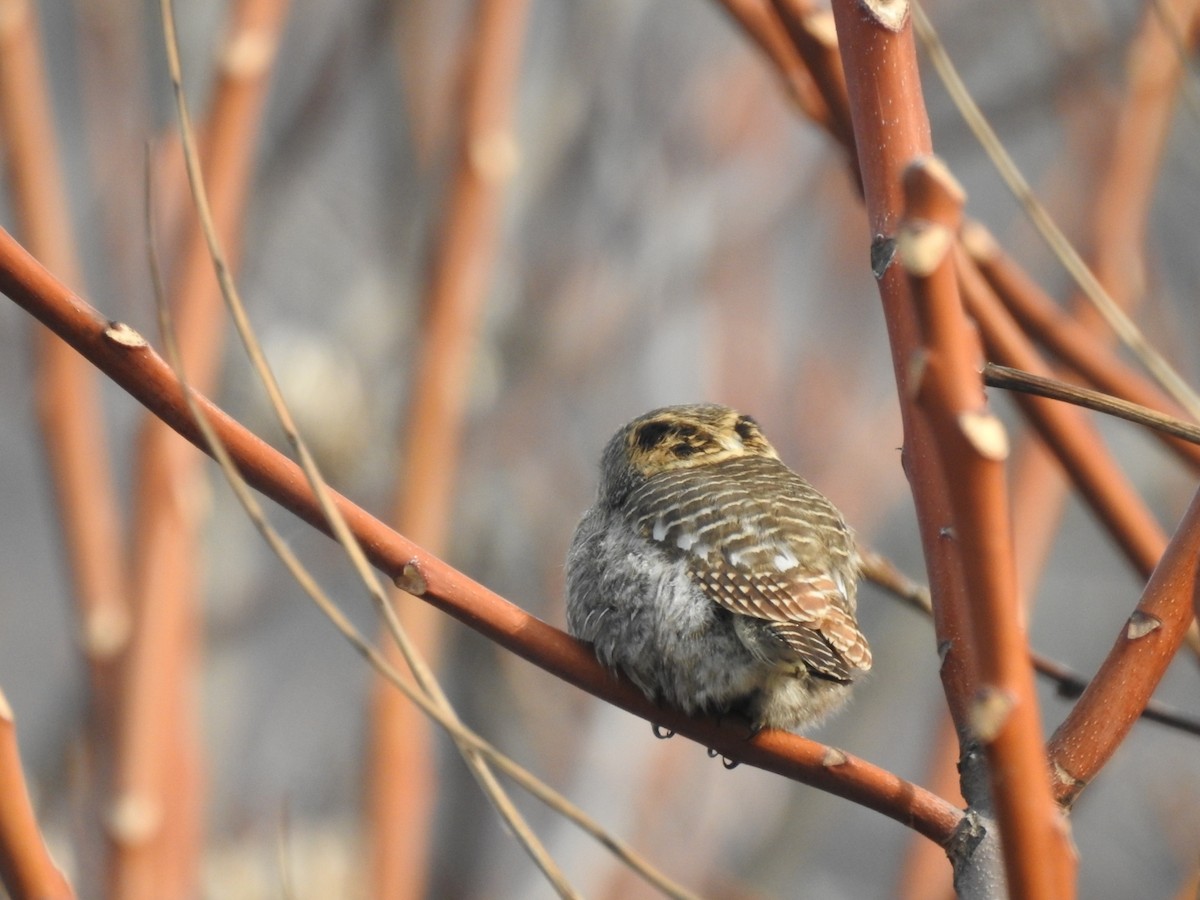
(685, 540)
(785, 560)
(660, 529)
(841, 584)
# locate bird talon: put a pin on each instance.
(661, 732)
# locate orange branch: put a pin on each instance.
(974, 447)
(154, 826)
(761, 23)
(123, 355)
(1116, 696)
(26, 869)
(68, 395)
(401, 773)
(1080, 347)
(891, 128)
(1067, 431)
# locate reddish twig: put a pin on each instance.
(1077, 345)
(891, 128)
(761, 23)
(814, 37)
(1099, 721)
(123, 355)
(1155, 70)
(154, 827)
(69, 406)
(973, 445)
(1079, 448)
(401, 773)
(26, 869)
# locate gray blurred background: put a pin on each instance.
(674, 233)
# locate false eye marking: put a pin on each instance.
(651, 434)
(746, 428)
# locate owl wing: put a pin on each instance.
(761, 542)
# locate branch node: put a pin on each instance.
(970, 831)
(411, 580)
(106, 632)
(922, 247)
(1141, 624)
(120, 333)
(943, 650)
(250, 53)
(1065, 778)
(891, 14)
(989, 711)
(985, 433)
(134, 818)
(494, 155)
(834, 757)
(978, 241)
(883, 251)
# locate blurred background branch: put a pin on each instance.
(674, 232)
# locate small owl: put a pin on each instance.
(714, 576)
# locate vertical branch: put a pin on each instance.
(891, 128)
(155, 823)
(974, 446)
(401, 771)
(1068, 433)
(69, 404)
(26, 869)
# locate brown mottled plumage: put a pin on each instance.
(713, 575)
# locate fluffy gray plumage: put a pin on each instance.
(713, 576)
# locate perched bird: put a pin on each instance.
(713, 575)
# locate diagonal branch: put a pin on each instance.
(1099, 721)
(1066, 337)
(1042, 386)
(123, 355)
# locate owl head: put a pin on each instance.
(677, 437)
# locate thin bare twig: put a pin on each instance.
(424, 677)
(156, 821)
(1043, 386)
(123, 354)
(881, 571)
(1074, 343)
(1116, 317)
(401, 770)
